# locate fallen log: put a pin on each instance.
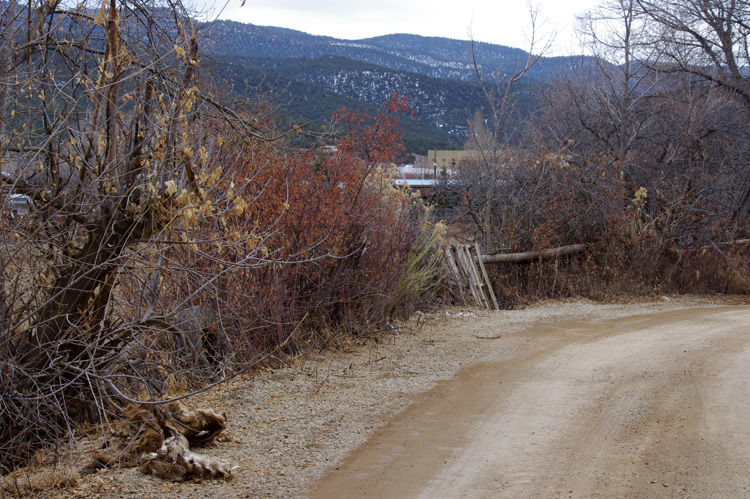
(533, 255)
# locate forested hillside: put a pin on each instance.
(431, 56)
(313, 75)
(311, 90)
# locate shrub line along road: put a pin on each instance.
(654, 405)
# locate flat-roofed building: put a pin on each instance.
(448, 160)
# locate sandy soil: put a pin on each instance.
(570, 399)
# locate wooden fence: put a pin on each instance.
(465, 263)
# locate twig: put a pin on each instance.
(488, 337)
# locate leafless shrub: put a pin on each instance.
(109, 138)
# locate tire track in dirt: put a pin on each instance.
(646, 406)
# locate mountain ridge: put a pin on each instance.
(318, 73)
(430, 55)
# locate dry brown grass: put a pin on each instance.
(29, 482)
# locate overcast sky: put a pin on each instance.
(505, 22)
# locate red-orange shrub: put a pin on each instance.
(307, 239)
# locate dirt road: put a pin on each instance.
(654, 405)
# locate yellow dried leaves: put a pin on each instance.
(183, 198)
(240, 206)
(99, 19)
(171, 187)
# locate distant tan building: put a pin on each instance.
(447, 160)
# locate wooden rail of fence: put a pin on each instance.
(528, 256)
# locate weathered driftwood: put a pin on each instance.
(533, 255)
(162, 443)
(175, 461)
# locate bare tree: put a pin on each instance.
(602, 105)
(155, 236)
(704, 38)
(480, 177)
(706, 42)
